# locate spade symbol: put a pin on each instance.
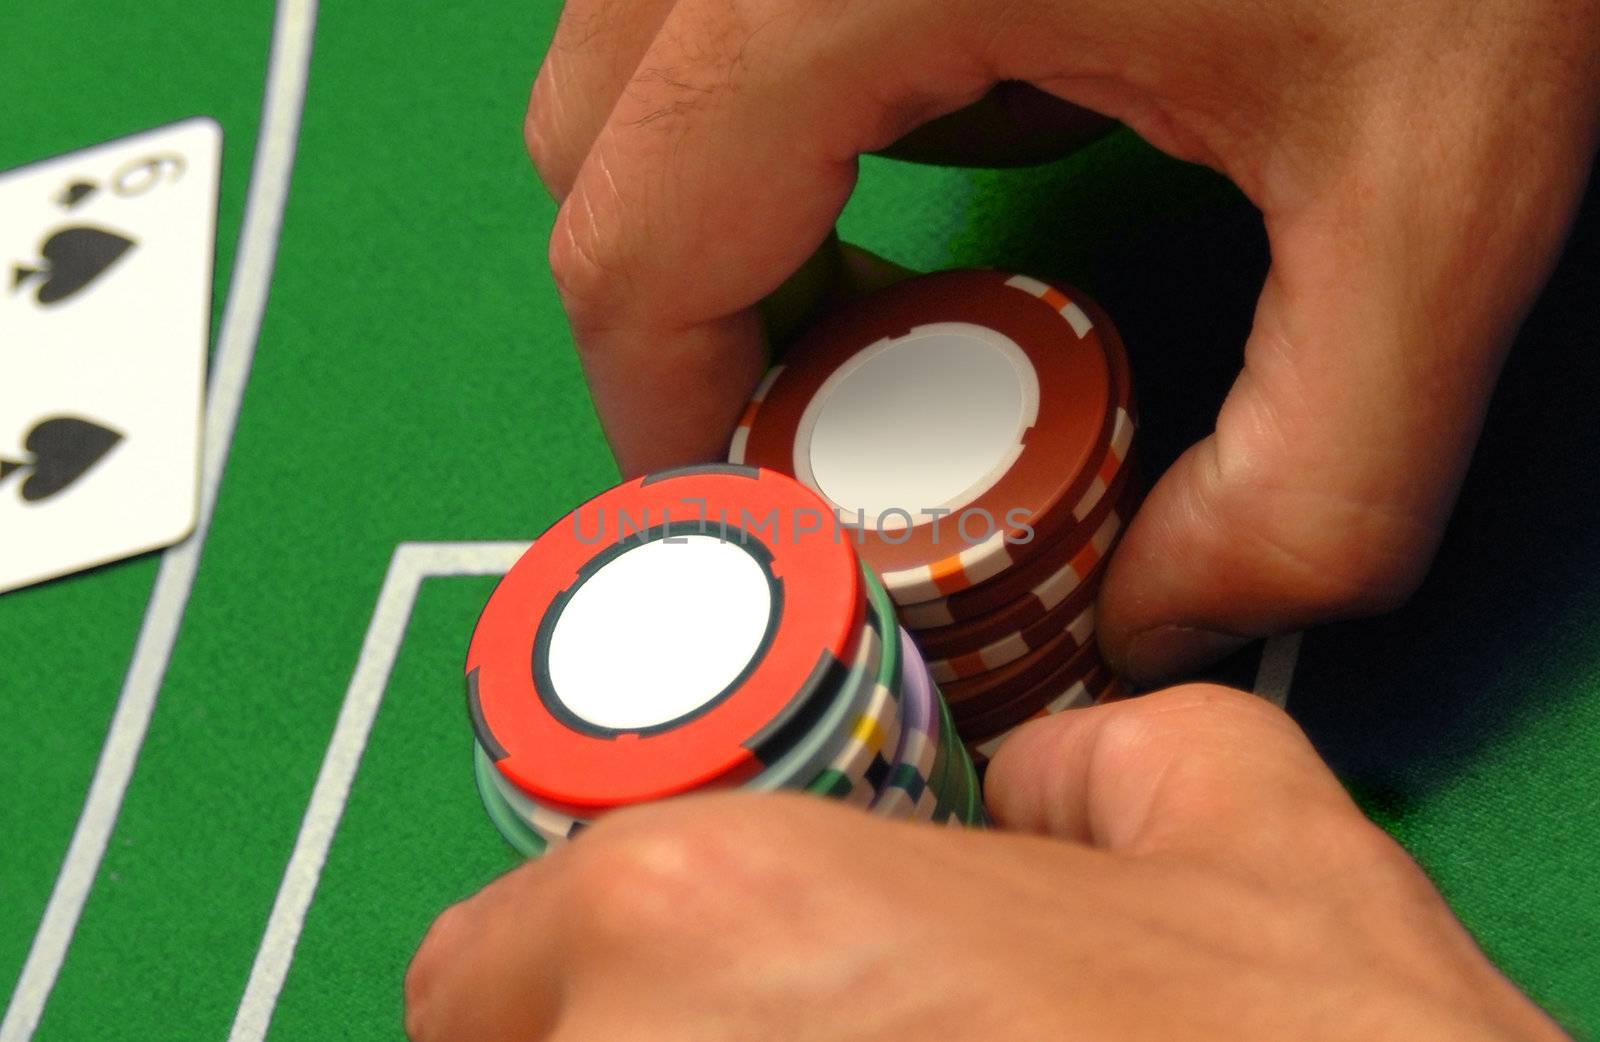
(74, 193)
(64, 448)
(73, 258)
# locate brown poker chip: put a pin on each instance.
(958, 421)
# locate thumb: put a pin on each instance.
(1337, 455)
(1199, 769)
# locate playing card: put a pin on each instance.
(105, 310)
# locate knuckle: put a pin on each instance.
(1352, 863)
(1354, 840)
(1364, 568)
(535, 138)
(1191, 736)
(540, 136)
(642, 880)
(1342, 559)
(585, 279)
(1346, 846)
(660, 871)
(417, 1020)
(420, 986)
(1334, 544)
(1174, 716)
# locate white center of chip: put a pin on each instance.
(659, 631)
(927, 421)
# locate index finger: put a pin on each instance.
(721, 169)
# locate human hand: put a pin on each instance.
(1183, 866)
(1417, 166)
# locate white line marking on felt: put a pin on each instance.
(236, 342)
(1275, 673)
(411, 563)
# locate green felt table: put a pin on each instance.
(412, 410)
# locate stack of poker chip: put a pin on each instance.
(694, 630)
(971, 431)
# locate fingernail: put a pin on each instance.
(1167, 652)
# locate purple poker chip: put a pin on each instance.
(907, 793)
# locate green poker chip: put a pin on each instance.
(512, 828)
(860, 769)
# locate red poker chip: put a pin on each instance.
(1075, 616)
(999, 718)
(986, 396)
(1065, 559)
(977, 694)
(677, 631)
(1038, 614)
(1099, 679)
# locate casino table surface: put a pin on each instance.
(237, 773)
